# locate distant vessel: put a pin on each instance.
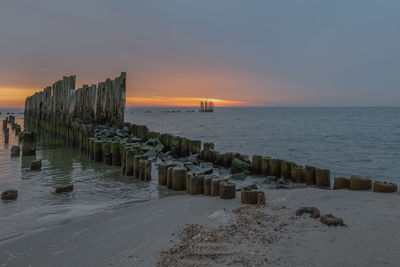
(206, 106)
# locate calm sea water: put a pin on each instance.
(364, 141)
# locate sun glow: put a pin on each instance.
(179, 101)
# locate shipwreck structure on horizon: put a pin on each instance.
(207, 106)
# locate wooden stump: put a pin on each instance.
(227, 190)
(136, 167)
(340, 183)
(358, 183)
(265, 166)
(275, 167)
(309, 175)
(207, 184)
(248, 196)
(162, 172)
(129, 159)
(142, 169)
(97, 148)
(215, 185)
(296, 173)
(256, 164)
(169, 177)
(261, 198)
(179, 178)
(188, 176)
(197, 185)
(383, 187)
(322, 177)
(285, 169)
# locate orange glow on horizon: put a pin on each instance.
(178, 101)
(14, 97)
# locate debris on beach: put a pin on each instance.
(314, 212)
(242, 242)
(331, 220)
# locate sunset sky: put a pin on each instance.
(177, 52)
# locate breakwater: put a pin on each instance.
(133, 146)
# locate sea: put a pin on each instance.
(349, 141)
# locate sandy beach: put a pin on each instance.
(153, 233)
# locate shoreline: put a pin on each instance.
(136, 235)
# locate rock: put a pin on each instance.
(36, 165)
(198, 170)
(195, 146)
(322, 177)
(331, 220)
(15, 151)
(281, 186)
(383, 187)
(9, 195)
(340, 183)
(227, 190)
(358, 183)
(253, 186)
(238, 176)
(256, 164)
(179, 178)
(314, 212)
(197, 185)
(309, 175)
(208, 146)
(155, 143)
(65, 188)
(239, 166)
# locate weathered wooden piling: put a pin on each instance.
(98, 151)
(179, 178)
(136, 166)
(197, 185)
(322, 177)
(129, 160)
(256, 164)
(309, 175)
(106, 152)
(29, 141)
(162, 172)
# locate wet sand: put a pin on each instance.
(270, 235)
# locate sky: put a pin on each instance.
(177, 52)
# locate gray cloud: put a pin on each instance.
(320, 52)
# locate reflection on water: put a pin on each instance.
(97, 186)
